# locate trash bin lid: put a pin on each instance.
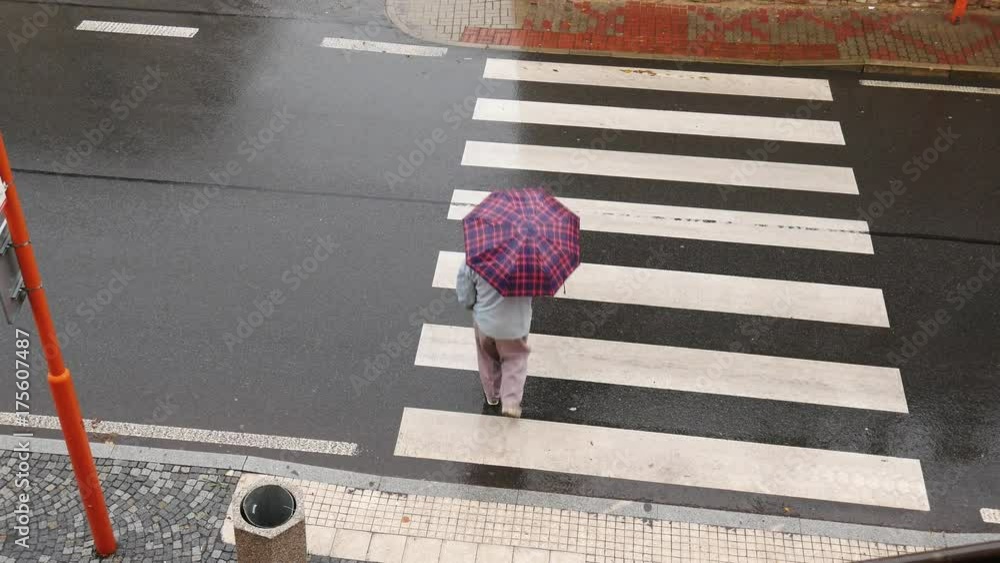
(269, 506)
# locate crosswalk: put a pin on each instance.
(660, 121)
(657, 79)
(707, 292)
(657, 457)
(700, 223)
(666, 167)
(683, 369)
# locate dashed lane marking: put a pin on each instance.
(380, 47)
(937, 87)
(137, 29)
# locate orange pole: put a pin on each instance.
(958, 12)
(60, 382)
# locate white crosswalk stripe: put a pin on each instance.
(682, 369)
(661, 121)
(669, 167)
(137, 29)
(658, 79)
(699, 223)
(708, 292)
(663, 458)
(630, 452)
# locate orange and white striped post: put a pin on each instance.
(958, 11)
(63, 393)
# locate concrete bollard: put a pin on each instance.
(269, 523)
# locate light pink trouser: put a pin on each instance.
(503, 367)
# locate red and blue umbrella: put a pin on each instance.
(523, 242)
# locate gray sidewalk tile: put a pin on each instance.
(872, 533)
(566, 557)
(351, 544)
(586, 504)
(51, 446)
(727, 519)
(437, 489)
(530, 555)
(386, 548)
(458, 552)
(319, 539)
(421, 550)
(179, 457)
(495, 554)
(310, 473)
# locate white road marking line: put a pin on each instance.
(380, 47)
(663, 458)
(708, 292)
(137, 29)
(990, 515)
(937, 87)
(658, 79)
(792, 231)
(682, 369)
(179, 434)
(660, 121)
(670, 167)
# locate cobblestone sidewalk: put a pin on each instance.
(176, 512)
(842, 34)
(374, 525)
(160, 512)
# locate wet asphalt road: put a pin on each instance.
(146, 204)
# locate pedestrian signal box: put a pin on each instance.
(12, 292)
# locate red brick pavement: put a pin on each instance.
(757, 33)
(828, 34)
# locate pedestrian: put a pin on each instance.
(518, 244)
(501, 326)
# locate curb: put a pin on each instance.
(351, 479)
(861, 67)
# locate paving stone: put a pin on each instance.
(352, 544)
(148, 527)
(458, 552)
(420, 550)
(495, 554)
(319, 539)
(831, 33)
(386, 548)
(530, 555)
(185, 524)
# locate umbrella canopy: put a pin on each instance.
(523, 242)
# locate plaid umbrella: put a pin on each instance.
(523, 242)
